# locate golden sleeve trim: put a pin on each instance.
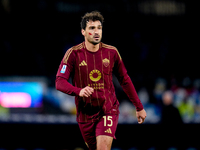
(68, 53)
(111, 47)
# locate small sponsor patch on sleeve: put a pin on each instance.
(63, 69)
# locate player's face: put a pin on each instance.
(93, 32)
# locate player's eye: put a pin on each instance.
(99, 27)
(92, 27)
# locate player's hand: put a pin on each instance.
(141, 115)
(86, 91)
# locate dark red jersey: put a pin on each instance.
(95, 69)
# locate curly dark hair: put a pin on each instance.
(94, 16)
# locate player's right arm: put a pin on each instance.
(63, 74)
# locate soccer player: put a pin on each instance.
(91, 64)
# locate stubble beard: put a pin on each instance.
(94, 42)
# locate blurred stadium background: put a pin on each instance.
(158, 42)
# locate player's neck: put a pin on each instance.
(91, 47)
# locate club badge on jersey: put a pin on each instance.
(63, 69)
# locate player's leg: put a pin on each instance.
(104, 142)
(105, 131)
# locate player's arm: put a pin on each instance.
(126, 83)
(128, 87)
(63, 74)
(64, 86)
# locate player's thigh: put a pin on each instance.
(104, 142)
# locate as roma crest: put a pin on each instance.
(106, 62)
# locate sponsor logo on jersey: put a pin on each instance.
(95, 75)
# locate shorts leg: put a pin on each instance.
(107, 125)
(88, 133)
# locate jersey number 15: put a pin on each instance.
(108, 118)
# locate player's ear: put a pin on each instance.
(83, 32)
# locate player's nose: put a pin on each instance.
(96, 31)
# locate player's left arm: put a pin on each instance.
(128, 87)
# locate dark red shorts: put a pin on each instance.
(107, 125)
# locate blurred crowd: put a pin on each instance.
(169, 102)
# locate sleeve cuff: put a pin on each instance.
(139, 108)
(77, 91)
